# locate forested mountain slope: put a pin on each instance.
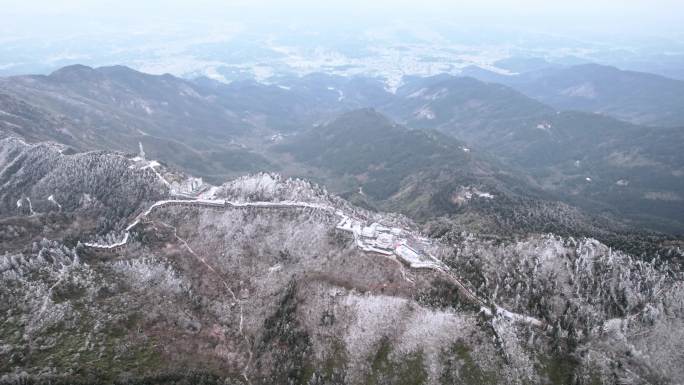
(259, 281)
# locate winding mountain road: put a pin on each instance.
(485, 306)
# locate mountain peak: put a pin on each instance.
(75, 72)
(365, 116)
(595, 66)
(116, 69)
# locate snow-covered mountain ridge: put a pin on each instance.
(264, 278)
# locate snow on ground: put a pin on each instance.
(275, 268)
(210, 193)
(30, 205)
(145, 273)
(424, 94)
(391, 242)
(417, 94)
(151, 164)
(465, 194)
(12, 124)
(142, 164)
(412, 328)
(667, 196)
(425, 113)
(52, 199)
(584, 91)
(340, 94)
(544, 126)
(263, 184)
(515, 317)
(122, 242)
(262, 73)
(189, 188)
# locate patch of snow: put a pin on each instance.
(12, 124)
(210, 193)
(467, 193)
(425, 113)
(584, 91)
(141, 153)
(439, 94)
(145, 273)
(152, 164)
(52, 199)
(484, 194)
(545, 126)
(86, 200)
(622, 183)
(190, 187)
(393, 81)
(7, 113)
(20, 203)
(368, 232)
(340, 94)
(262, 73)
(425, 95)
(666, 196)
(418, 94)
(518, 317)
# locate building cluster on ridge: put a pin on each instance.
(390, 241)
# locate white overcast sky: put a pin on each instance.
(68, 17)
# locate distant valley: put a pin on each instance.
(486, 136)
(325, 230)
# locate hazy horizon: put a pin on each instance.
(635, 18)
(208, 36)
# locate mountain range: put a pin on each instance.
(465, 130)
(129, 272)
(636, 97)
(325, 230)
